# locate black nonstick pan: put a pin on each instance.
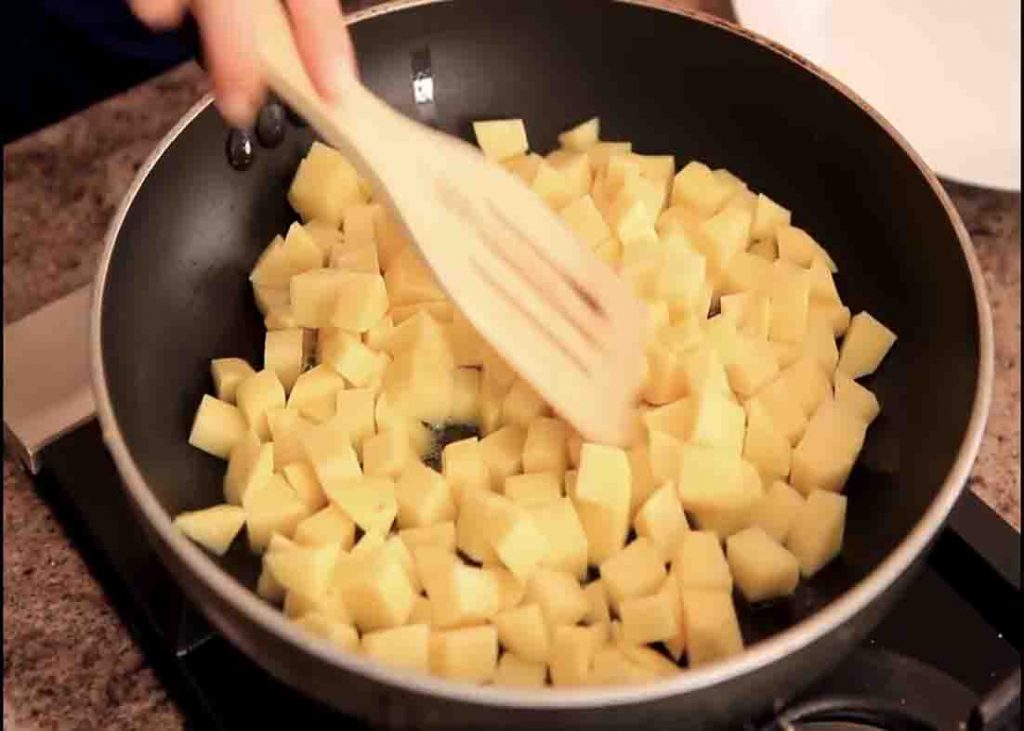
(172, 293)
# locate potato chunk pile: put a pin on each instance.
(530, 557)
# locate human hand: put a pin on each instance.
(228, 45)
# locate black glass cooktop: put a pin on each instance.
(946, 657)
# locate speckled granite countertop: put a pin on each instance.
(68, 662)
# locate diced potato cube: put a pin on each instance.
(865, 344)
(761, 567)
(665, 377)
(409, 280)
(361, 302)
(344, 352)
(419, 390)
(361, 258)
(502, 452)
(271, 508)
(787, 413)
(463, 466)
(647, 619)
(597, 599)
(227, 374)
(212, 528)
(769, 216)
(700, 564)
(711, 478)
(325, 184)
(331, 455)
(312, 296)
(303, 481)
(354, 413)
(716, 421)
(751, 365)
(313, 386)
(516, 540)
(378, 590)
(283, 354)
(218, 427)
(697, 187)
(712, 629)
(469, 654)
(636, 570)
(360, 223)
(776, 510)
(400, 647)
(703, 369)
(368, 501)
(473, 524)
(790, 292)
(819, 344)
(854, 398)
(423, 497)
(304, 570)
(602, 499)
(585, 220)
(559, 595)
(723, 236)
(662, 521)
(601, 152)
(327, 526)
(552, 186)
(836, 316)
(581, 137)
(270, 298)
(466, 345)
(287, 427)
(522, 405)
(535, 488)
(572, 649)
(258, 394)
(829, 447)
(421, 612)
(610, 666)
(665, 453)
(764, 446)
(250, 465)
(545, 447)
(326, 235)
(462, 595)
(522, 630)
(797, 246)
(301, 251)
(465, 407)
(816, 536)
(500, 139)
(273, 270)
(515, 672)
(386, 454)
(441, 535)
(746, 272)
(642, 482)
(764, 249)
(564, 536)
(511, 589)
(523, 167)
(337, 633)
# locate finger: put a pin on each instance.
(159, 14)
(230, 57)
(324, 44)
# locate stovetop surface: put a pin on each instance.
(951, 639)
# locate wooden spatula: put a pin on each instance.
(558, 314)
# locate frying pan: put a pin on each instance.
(172, 294)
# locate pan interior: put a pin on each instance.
(177, 294)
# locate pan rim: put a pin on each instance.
(756, 657)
